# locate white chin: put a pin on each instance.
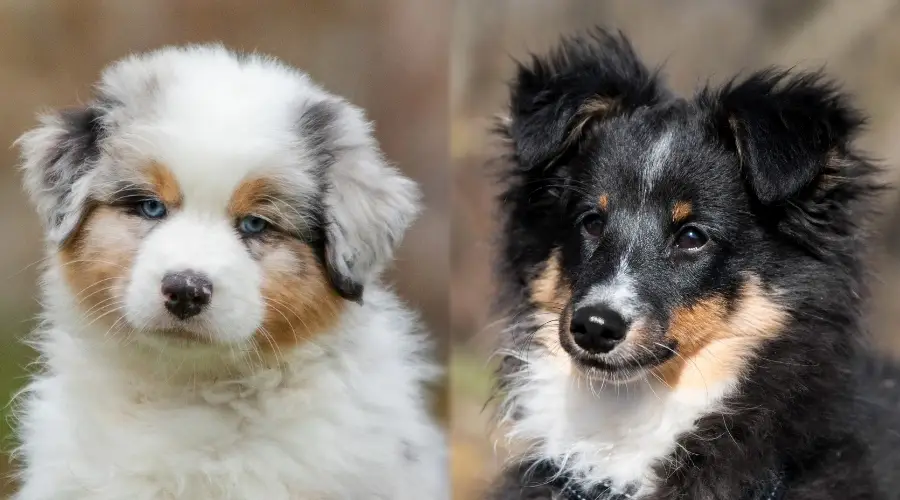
(162, 330)
(618, 377)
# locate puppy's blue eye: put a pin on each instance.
(251, 225)
(152, 209)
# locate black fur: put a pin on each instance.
(768, 164)
(548, 92)
(316, 127)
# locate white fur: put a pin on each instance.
(600, 431)
(190, 240)
(618, 294)
(128, 413)
(657, 158)
(107, 421)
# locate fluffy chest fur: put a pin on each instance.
(319, 425)
(600, 432)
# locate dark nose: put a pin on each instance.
(186, 293)
(597, 329)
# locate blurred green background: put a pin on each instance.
(389, 56)
(699, 40)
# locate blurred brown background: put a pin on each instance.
(858, 42)
(390, 57)
(432, 75)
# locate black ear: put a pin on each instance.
(588, 77)
(786, 130)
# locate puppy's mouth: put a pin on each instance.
(174, 334)
(182, 335)
(173, 331)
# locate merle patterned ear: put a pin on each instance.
(368, 203)
(586, 78)
(55, 158)
(787, 129)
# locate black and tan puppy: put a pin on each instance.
(685, 287)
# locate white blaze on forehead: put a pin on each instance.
(213, 119)
(208, 175)
(657, 158)
(209, 163)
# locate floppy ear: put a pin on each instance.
(793, 136)
(368, 204)
(587, 78)
(786, 130)
(54, 158)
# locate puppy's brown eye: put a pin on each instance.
(691, 238)
(593, 224)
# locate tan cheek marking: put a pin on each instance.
(549, 289)
(695, 325)
(713, 346)
(300, 302)
(604, 202)
(551, 293)
(681, 211)
(247, 197)
(97, 261)
(165, 184)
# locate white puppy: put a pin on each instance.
(214, 326)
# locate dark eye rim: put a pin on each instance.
(266, 225)
(585, 218)
(140, 208)
(704, 234)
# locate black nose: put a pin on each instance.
(186, 293)
(597, 329)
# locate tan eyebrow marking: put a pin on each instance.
(681, 211)
(604, 201)
(164, 184)
(248, 196)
